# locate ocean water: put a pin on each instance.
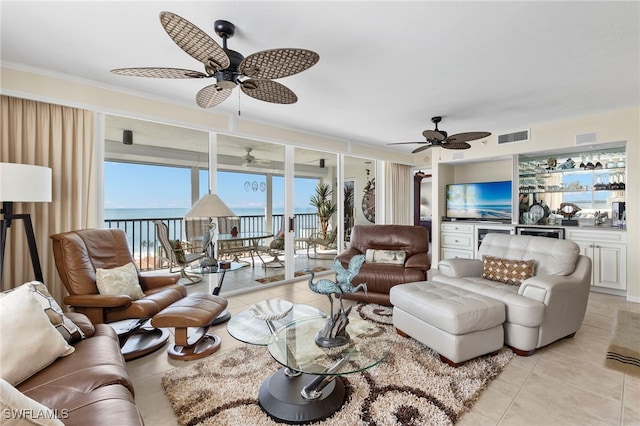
(477, 211)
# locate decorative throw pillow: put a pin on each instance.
(31, 411)
(120, 280)
(395, 257)
(507, 271)
(278, 242)
(28, 341)
(177, 248)
(67, 328)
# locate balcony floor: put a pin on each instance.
(244, 280)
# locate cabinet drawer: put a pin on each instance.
(460, 254)
(459, 241)
(596, 235)
(456, 227)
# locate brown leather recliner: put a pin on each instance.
(380, 277)
(79, 253)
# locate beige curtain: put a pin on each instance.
(398, 194)
(61, 138)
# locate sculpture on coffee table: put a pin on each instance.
(209, 262)
(334, 333)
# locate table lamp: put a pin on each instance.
(22, 183)
(211, 206)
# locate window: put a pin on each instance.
(145, 191)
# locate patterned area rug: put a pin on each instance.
(280, 277)
(411, 387)
(623, 353)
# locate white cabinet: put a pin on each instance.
(456, 240)
(608, 253)
(463, 239)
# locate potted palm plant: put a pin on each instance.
(325, 205)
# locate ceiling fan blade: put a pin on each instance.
(159, 72)
(420, 149)
(434, 135)
(466, 137)
(405, 143)
(268, 91)
(194, 41)
(457, 145)
(211, 96)
(277, 63)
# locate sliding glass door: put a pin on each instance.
(308, 199)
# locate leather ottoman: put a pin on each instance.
(197, 310)
(458, 324)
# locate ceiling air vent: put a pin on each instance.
(517, 136)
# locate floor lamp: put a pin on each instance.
(22, 183)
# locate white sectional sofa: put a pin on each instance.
(546, 307)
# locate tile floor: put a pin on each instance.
(562, 384)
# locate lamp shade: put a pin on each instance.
(210, 205)
(24, 183)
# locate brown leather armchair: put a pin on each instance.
(380, 277)
(79, 253)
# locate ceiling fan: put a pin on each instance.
(250, 159)
(438, 137)
(254, 74)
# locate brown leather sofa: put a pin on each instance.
(89, 387)
(380, 277)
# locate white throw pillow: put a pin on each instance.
(120, 280)
(394, 257)
(17, 409)
(28, 341)
(70, 331)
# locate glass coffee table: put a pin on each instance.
(308, 388)
(247, 328)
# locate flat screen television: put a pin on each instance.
(479, 200)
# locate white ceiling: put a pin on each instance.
(385, 67)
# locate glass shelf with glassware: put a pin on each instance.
(592, 181)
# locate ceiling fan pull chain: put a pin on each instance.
(239, 103)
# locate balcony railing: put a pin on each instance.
(141, 233)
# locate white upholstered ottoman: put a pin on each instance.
(456, 323)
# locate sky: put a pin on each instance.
(143, 186)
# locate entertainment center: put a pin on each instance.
(593, 183)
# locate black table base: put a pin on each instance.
(280, 397)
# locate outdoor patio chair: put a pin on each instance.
(316, 240)
(231, 249)
(275, 249)
(179, 254)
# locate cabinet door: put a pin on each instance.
(609, 266)
(586, 249)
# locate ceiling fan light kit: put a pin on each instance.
(254, 74)
(437, 137)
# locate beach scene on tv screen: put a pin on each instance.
(486, 200)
